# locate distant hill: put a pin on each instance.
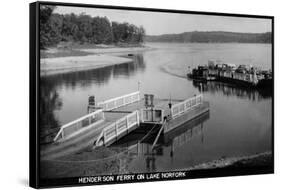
(211, 37)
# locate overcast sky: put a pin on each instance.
(156, 23)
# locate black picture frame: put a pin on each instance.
(34, 155)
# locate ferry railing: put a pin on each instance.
(248, 77)
(120, 126)
(179, 108)
(119, 101)
(76, 126)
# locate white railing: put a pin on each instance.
(76, 126)
(119, 101)
(251, 78)
(184, 106)
(120, 126)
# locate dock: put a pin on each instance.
(110, 120)
(174, 138)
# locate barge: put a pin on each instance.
(243, 75)
(108, 121)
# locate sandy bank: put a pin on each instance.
(56, 61)
(50, 66)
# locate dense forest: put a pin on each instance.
(82, 28)
(212, 37)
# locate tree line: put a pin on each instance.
(212, 37)
(84, 28)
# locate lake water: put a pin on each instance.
(239, 122)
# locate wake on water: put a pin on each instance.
(167, 69)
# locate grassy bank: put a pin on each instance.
(76, 49)
(55, 53)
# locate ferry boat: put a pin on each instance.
(243, 75)
(108, 121)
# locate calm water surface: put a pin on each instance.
(239, 122)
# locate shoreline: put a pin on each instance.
(114, 50)
(59, 65)
(104, 166)
(59, 61)
(257, 160)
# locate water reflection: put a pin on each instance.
(49, 103)
(167, 143)
(182, 135)
(100, 76)
(231, 90)
(128, 70)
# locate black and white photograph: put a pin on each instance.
(125, 91)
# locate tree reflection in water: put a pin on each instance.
(128, 70)
(49, 102)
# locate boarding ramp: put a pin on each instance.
(79, 125)
(118, 129)
(96, 116)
